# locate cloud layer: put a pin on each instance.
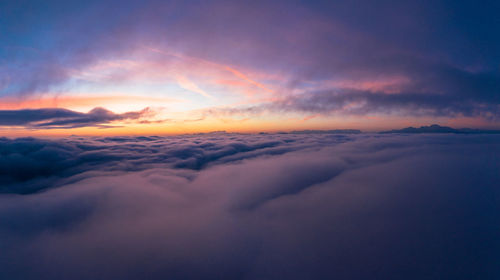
(62, 118)
(270, 206)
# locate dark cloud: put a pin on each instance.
(63, 119)
(365, 102)
(271, 206)
(358, 102)
(29, 164)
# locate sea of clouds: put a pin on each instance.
(259, 206)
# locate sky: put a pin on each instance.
(171, 67)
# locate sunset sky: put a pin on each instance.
(168, 67)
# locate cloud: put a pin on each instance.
(269, 206)
(48, 118)
(30, 164)
(185, 83)
(341, 101)
(356, 102)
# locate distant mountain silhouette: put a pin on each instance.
(442, 129)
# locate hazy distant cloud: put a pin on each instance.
(273, 206)
(48, 118)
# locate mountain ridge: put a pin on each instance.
(435, 128)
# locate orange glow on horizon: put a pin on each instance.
(246, 125)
